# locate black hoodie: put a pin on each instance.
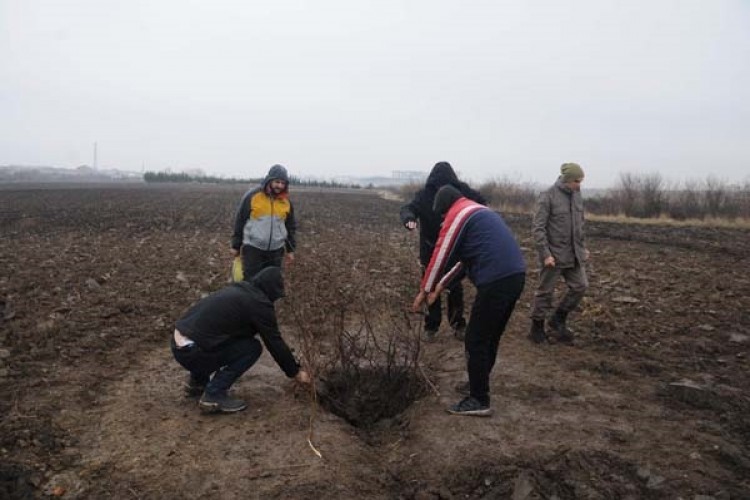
(241, 309)
(421, 206)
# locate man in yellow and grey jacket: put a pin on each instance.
(264, 227)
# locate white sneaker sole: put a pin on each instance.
(487, 412)
(215, 408)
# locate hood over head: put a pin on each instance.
(440, 175)
(444, 199)
(271, 282)
(277, 172)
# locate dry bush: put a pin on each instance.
(712, 199)
(686, 202)
(720, 199)
(639, 195)
(647, 196)
(360, 344)
(509, 195)
(742, 198)
(347, 307)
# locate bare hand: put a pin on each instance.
(411, 225)
(289, 258)
(586, 254)
(235, 252)
(418, 301)
(302, 377)
(433, 296)
(549, 261)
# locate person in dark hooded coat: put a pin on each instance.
(419, 212)
(216, 339)
(265, 226)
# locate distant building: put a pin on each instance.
(409, 175)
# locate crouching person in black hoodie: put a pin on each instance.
(216, 339)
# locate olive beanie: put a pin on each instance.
(571, 172)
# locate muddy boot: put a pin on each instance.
(557, 323)
(537, 334)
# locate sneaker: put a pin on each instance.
(430, 334)
(193, 388)
(220, 403)
(471, 407)
(459, 332)
(463, 388)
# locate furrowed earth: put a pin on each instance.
(651, 401)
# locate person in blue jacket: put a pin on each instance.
(476, 241)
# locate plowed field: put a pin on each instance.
(651, 401)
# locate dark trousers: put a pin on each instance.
(255, 259)
(490, 313)
(577, 281)
(227, 363)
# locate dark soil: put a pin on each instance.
(651, 401)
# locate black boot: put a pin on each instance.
(537, 334)
(215, 398)
(557, 323)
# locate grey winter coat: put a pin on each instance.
(558, 226)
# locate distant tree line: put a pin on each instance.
(649, 196)
(209, 179)
(639, 196)
(183, 177)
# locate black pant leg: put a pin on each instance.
(255, 259)
(456, 304)
(235, 357)
(490, 313)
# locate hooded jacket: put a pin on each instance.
(558, 225)
(420, 208)
(264, 220)
(242, 309)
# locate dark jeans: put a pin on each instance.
(490, 313)
(254, 260)
(455, 309)
(228, 362)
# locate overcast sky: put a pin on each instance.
(336, 87)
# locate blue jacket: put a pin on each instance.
(474, 239)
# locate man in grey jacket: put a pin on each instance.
(559, 239)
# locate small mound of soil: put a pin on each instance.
(364, 397)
